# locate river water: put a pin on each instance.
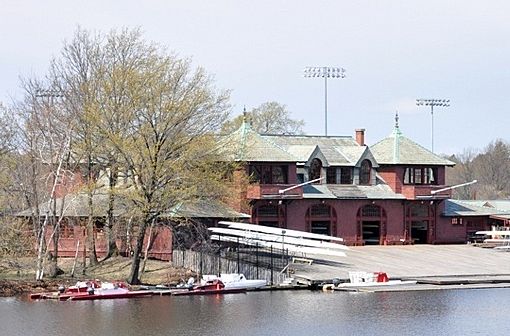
(441, 312)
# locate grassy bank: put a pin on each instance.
(17, 275)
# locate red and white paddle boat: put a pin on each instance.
(91, 290)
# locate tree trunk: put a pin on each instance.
(149, 242)
(112, 248)
(55, 236)
(39, 272)
(91, 242)
(133, 277)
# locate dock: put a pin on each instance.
(432, 266)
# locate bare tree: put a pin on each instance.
(45, 132)
(268, 118)
(156, 116)
(493, 168)
(75, 75)
(462, 172)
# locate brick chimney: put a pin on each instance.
(360, 136)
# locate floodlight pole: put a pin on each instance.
(432, 103)
(325, 72)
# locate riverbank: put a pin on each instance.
(17, 275)
(433, 266)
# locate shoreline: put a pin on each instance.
(432, 266)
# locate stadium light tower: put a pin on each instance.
(325, 72)
(432, 103)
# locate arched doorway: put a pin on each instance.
(321, 218)
(372, 224)
(420, 222)
(269, 214)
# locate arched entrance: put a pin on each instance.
(269, 214)
(420, 222)
(372, 224)
(321, 218)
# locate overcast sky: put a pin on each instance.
(393, 52)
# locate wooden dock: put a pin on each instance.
(431, 265)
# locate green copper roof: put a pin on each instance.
(398, 149)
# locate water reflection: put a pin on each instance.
(461, 312)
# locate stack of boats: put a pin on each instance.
(279, 239)
(499, 238)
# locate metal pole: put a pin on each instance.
(257, 260)
(432, 103)
(326, 72)
(432, 126)
(283, 246)
(238, 260)
(325, 102)
(271, 251)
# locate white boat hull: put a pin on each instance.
(237, 281)
(376, 284)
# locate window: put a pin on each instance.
(315, 170)
(268, 215)
(267, 211)
(320, 210)
(419, 210)
(456, 221)
(364, 175)
(66, 229)
(345, 175)
(331, 175)
(420, 175)
(279, 175)
(268, 174)
(371, 211)
(301, 178)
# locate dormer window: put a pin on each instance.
(331, 175)
(365, 172)
(315, 169)
(345, 175)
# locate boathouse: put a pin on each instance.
(393, 192)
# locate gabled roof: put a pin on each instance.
(336, 150)
(475, 208)
(397, 149)
(76, 205)
(247, 145)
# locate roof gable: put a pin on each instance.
(317, 154)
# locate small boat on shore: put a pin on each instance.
(209, 287)
(91, 291)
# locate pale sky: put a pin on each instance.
(393, 52)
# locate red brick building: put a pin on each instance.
(367, 195)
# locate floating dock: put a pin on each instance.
(432, 266)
